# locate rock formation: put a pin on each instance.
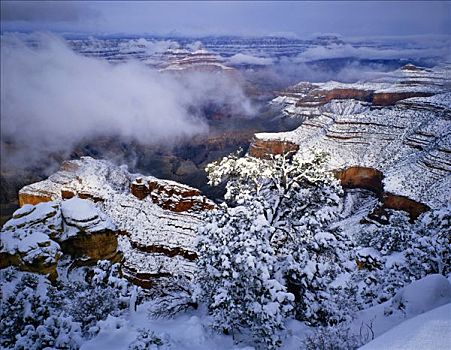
(38, 235)
(155, 220)
(305, 99)
(399, 147)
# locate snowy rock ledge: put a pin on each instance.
(36, 237)
(154, 221)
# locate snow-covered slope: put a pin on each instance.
(429, 331)
(408, 141)
(305, 99)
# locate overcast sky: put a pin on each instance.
(350, 18)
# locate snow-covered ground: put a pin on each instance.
(428, 331)
(424, 324)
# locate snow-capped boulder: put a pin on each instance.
(36, 237)
(25, 240)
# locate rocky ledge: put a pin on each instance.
(154, 220)
(306, 100)
(38, 235)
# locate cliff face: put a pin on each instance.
(306, 99)
(401, 152)
(170, 195)
(361, 177)
(265, 148)
(154, 220)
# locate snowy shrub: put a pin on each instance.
(338, 337)
(171, 296)
(430, 249)
(23, 310)
(56, 332)
(105, 294)
(37, 315)
(408, 252)
(392, 237)
(147, 340)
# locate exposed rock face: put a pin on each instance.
(93, 247)
(317, 97)
(390, 98)
(414, 208)
(154, 220)
(36, 237)
(172, 196)
(263, 149)
(361, 177)
(33, 199)
(402, 150)
(139, 189)
(306, 100)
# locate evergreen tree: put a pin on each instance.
(279, 215)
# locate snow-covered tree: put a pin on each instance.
(387, 238)
(400, 252)
(37, 315)
(239, 275)
(282, 208)
(430, 250)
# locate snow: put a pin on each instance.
(428, 331)
(24, 242)
(79, 209)
(423, 295)
(187, 332)
(391, 140)
(32, 215)
(145, 223)
(416, 298)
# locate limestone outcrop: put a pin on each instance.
(38, 235)
(154, 220)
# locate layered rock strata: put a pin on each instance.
(306, 100)
(155, 220)
(401, 152)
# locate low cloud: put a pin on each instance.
(241, 58)
(53, 98)
(365, 52)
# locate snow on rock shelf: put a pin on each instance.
(405, 144)
(155, 220)
(198, 60)
(36, 237)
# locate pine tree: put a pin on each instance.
(292, 200)
(239, 274)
